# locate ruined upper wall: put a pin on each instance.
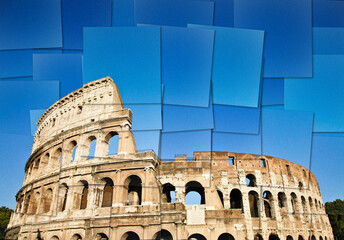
(95, 101)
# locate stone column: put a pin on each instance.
(118, 190)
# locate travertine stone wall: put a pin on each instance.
(68, 194)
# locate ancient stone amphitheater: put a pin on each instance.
(69, 194)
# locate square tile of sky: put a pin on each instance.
(328, 13)
(147, 141)
(288, 34)
(237, 65)
(18, 63)
(287, 135)
(328, 41)
(174, 13)
(30, 24)
(321, 94)
(17, 98)
(130, 56)
(35, 114)
(327, 164)
(273, 91)
(67, 68)
(15, 150)
(83, 13)
(184, 143)
(181, 118)
(146, 116)
(186, 59)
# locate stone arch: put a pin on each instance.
(91, 143)
(84, 196)
(63, 196)
(300, 186)
(27, 201)
(273, 237)
(225, 236)
(167, 197)
(34, 202)
(194, 186)
(316, 204)
(55, 159)
(76, 237)
(112, 141)
(130, 236)
(163, 235)
(304, 204)
(293, 202)
(197, 236)
(321, 238)
(312, 238)
(81, 195)
(35, 169)
(220, 194)
(54, 238)
(70, 151)
(268, 201)
(47, 200)
(300, 238)
(133, 188)
(282, 200)
(253, 199)
(102, 236)
(289, 237)
(44, 162)
(310, 203)
(251, 180)
(258, 237)
(236, 199)
(107, 192)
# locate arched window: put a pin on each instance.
(76, 237)
(102, 236)
(289, 237)
(36, 167)
(300, 238)
(63, 194)
(107, 193)
(34, 203)
(282, 199)
(130, 236)
(236, 199)
(300, 186)
(133, 185)
(253, 200)
(274, 237)
(316, 204)
(197, 237)
(321, 238)
(313, 237)
(194, 193)
(92, 141)
(48, 197)
(70, 151)
(267, 197)
(44, 161)
(226, 236)
(258, 237)
(84, 195)
(293, 202)
(112, 139)
(163, 235)
(251, 180)
(56, 158)
(310, 203)
(27, 203)
(168, 193)
(54, 238)
(219, 193)
(304, 204)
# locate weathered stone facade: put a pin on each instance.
(68, 194)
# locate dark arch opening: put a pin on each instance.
(134, 185)
(293, 202)
(253, 200)
(226, 236)
(274, 237)
(289, 237)
(300, 238)
(130, 236)
(251, 180)
(267, 197)
(219, 193)
(107, 192)
(236, 199)
(196, 187)
(197, 237)
(168, 193)
(84, 195)
(102, 236)
(76, 237)
(163, 235)
(258, 237)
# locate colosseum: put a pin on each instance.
(69, 193)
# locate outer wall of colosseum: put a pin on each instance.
(69, 194)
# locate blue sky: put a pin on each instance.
(223, 75)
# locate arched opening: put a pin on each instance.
(321, 238)
(44, 161)
(316, 204)
(102, 236)
(300, 238)
(107, 192)
(194, 193)
(219, 193)
(300, 186)
(197, 237)
(168, 193)
(310, 203)
(313, 237)
(282, 200)
(71, 151)
(258, 237)
(163, 235)
(48, 197)
(267, 197)
(236, 199)
(54, 238)
(56, 158)
(63, 194)
(112, 139)
(289, 237)
(293, 202)
(84, 195)
(92, 141)
(133, 184)
(36, 167)
(34, 203)
(130, 236)
(304, 204)
(253, 200)
(273, 237)
(27, 203)
(76, 237)
(251, 180)
(226, 236)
